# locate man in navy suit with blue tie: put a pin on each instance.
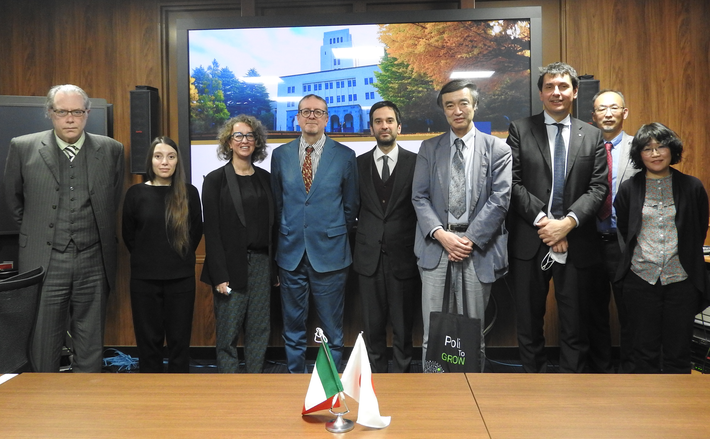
(315, 184)
(559, 182)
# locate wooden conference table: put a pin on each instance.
(223, 406)
(421, 406)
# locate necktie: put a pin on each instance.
(307, 169)
(70, 151)
(385, 169)
(457, 188)
(558, 186)
(605, 210)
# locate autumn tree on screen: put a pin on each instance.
(433, 51)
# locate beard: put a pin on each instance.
(386, 142)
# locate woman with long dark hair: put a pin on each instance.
(662, 216)
(239, 218)
(162, 226)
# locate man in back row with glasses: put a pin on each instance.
(315, 184)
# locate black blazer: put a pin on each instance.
(225, 229)
(585, 187)
(691, 220)
(395, 227)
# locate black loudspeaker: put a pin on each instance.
(144, 124)
(582, 107)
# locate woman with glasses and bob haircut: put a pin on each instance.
(239, 218)
(662, 218)
(162, 227)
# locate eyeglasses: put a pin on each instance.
(660, 149)
(615, 109)
(317, 113)
(240, 136)
(65, 113)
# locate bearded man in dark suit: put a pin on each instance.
(384, 245)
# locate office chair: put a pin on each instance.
(19, 303)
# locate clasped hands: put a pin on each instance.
(553, 232)
(457, 247)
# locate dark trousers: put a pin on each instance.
(662, 318)
(384, 296)
(599, 358)
(531, 289)
(162, 312)
(74, 288)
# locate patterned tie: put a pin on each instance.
(605, 210)
(457, 187)
(307, 169)
(385, 169)
(70, 151)
(558, 186)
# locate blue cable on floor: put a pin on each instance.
(124, 362)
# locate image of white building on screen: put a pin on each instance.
(346, 87)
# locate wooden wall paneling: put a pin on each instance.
(203, 326)
(25, 52)
(657, 53)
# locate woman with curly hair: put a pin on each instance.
(239, 217)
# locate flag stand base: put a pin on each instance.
(339, 424)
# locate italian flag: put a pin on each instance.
(325, 383)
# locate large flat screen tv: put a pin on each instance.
(262, 66)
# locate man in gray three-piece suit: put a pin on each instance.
(63, 187)
(384, 244)
(469, 233)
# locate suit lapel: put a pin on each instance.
(323, 165)
(443, 156)
(234, 191)
(539, 132)
(479, 171)
(366, 180)
(399, 180)
(576, 137)
(93, 154)
(623, 165)
(49, 151)
(266, 185)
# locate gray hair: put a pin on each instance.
(68, 89)
(609, 90)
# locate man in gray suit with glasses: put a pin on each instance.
(461, 194)
(63, 187)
